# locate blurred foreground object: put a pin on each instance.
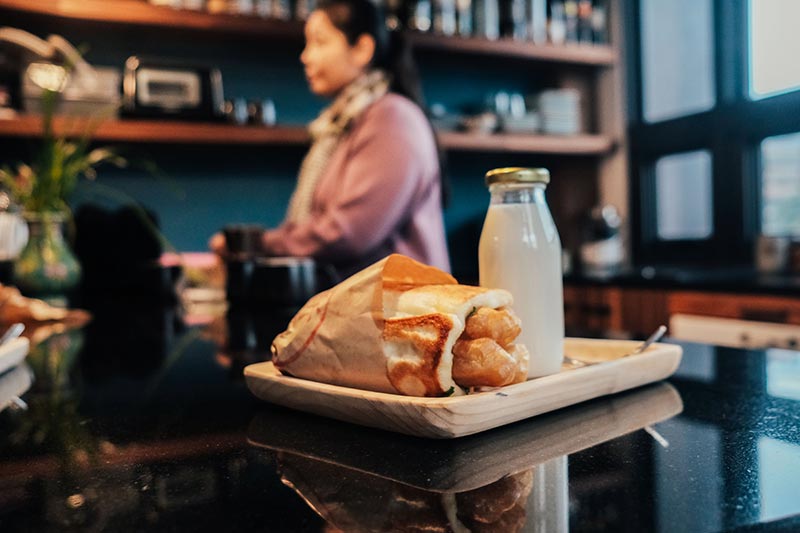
(17, 308)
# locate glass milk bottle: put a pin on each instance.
(520, 251)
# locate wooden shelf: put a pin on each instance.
(140, 13)
(584, 144)
(175, 132)
(157, 131)
(590, 55)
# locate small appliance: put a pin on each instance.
(159, 88)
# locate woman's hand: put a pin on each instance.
(217, 244)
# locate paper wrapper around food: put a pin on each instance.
(338, 336)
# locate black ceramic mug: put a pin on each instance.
(284, 281)
(243, 241)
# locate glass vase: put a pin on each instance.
(46, 267)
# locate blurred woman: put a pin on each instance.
(371, 183)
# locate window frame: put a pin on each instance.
(731, 131)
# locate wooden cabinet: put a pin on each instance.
(601, 308)
(592, 308)
(641, 310)
(759, 308)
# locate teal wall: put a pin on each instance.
(210, 186)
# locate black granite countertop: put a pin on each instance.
(740, 280)
(139, 422)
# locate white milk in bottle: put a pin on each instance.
(520, 251)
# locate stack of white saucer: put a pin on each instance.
(560, 112)
(16, 377)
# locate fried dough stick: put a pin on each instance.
(482, 363)
(499, 324)
(484, 355)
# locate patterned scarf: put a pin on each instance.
(326, 131)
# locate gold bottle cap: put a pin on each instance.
(518, 175)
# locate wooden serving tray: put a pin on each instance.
(459, 465)
(464, 415)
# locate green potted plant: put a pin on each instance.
(46, 265)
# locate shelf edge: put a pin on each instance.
(177, 132)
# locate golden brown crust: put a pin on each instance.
(427, 336)
(502, 325)
(484, 355)
(482, 363)
(401, 273)
(520, 354)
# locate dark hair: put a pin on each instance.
(355, 18)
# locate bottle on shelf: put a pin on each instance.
(396, 14)
(421, 16)
(465, 18)
(536, 15)
(585, 33)
(557, 24)
(571, 18)
(513, 20)
(444, 17)
(487, 19)
(599, 22)
(303, 8)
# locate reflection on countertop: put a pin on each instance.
(140, 422)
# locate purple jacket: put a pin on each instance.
(380, 194)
